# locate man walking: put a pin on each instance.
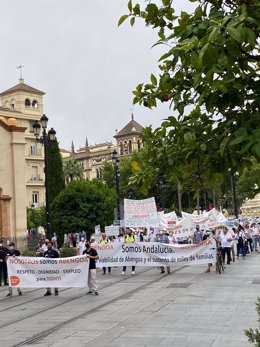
(226, 239)
(129, 238)
(105, 240)
(198, 235)
(12, 252)
(92, 275)
(51, 253)
(163, 238)
(3, 266)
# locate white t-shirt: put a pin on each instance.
(255, 231)
(44, 247)
(81, 246)
(224, 239)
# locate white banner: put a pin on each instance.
(184, 228)
(112, 230)
(207, 220)
(140, 213)
(155, 254)
(97, 229)
(167, 220)
(32, 272)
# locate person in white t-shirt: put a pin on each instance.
(81, 246)
(226, 242)
(255, 236)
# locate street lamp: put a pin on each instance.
(115, 161)
(45, 140)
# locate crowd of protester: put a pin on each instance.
(235, 239)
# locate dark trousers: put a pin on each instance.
(105, 269)
(3, 272)
(124, 268)
(241, 249)
(225, 250)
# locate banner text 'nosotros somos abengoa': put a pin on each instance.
(31, 272)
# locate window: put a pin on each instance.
(31, 122)
(35, 104)
(35, 198)
(97, 173)
(121, 148)
(35, 176)
(33, 149)
(130, 146)
(27, 103)
(138, 145)
(125, 147)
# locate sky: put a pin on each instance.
(88, 67)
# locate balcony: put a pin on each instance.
(35, 152)
(35, 178)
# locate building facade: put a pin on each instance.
(92, 158)
(25, 104)
(12, 185)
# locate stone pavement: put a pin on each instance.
(186, 308)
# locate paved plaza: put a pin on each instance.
(186, 308)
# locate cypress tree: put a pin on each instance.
(55, 170)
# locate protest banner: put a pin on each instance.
(183, 228)
(206, 220)
(38, 272)
(155, 254)
(97, 229)
(140, 213)
(112, 230)
(167, 220)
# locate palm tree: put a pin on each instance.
(72, 171)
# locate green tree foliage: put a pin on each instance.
(139, 179)
(72, 170)
(82, 205)
(212, 61)
(108, 175)
(35, 218)
(254, 334)
(55, 170)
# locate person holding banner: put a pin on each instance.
(12, 252)
(92, 276)
(105, 240)
(129, 238)
(163, 238)
(51, 253)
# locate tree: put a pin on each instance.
(212, 61)
(82, 205)
(55, 170)
(139, 179)
(72, 170)
(35, 218)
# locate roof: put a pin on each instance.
(22, 87)
(131, 128)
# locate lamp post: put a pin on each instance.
(45, 140)
(115, 161)
(233, 185)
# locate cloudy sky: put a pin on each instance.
(87, 66)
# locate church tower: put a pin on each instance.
(25, 104)
(128, 139)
